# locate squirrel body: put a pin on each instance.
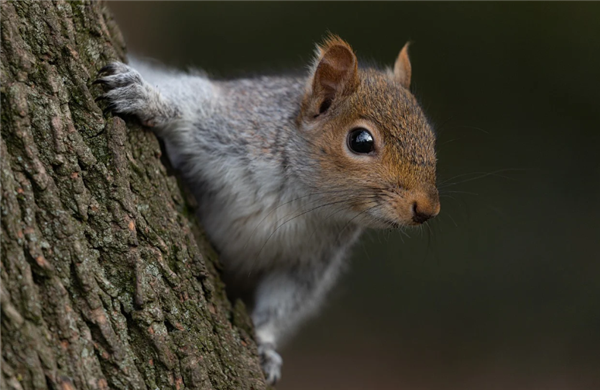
(288, 171)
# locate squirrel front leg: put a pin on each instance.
(169, 102)
(282, 300)
(128, 93)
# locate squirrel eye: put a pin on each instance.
(360, 141)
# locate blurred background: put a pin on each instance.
(502, 290)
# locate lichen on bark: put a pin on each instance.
(107, 282)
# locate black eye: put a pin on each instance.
(361, 141)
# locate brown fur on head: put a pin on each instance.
(394, 184)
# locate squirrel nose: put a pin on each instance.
(424, 209)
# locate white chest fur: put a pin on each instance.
(268, 227)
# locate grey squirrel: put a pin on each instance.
(288, 171)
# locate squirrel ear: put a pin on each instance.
(335, 73)
(402, 68)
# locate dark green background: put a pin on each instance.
(502, 291)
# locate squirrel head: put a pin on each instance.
(374, 149)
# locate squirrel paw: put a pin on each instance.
(126, 92)
(271, 363)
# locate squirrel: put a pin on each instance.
(289, 170)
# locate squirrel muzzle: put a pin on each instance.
(423, 206)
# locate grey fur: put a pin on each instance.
(238, 146)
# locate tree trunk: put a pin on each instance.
(107, 281)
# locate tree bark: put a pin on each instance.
(107, 281)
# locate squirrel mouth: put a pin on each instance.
(393, 224)
(390, 224)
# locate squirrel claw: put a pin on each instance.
(271, 363)
(99, 81)
(106, 69)
(110, 108)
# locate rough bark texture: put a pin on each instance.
(106, 281)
